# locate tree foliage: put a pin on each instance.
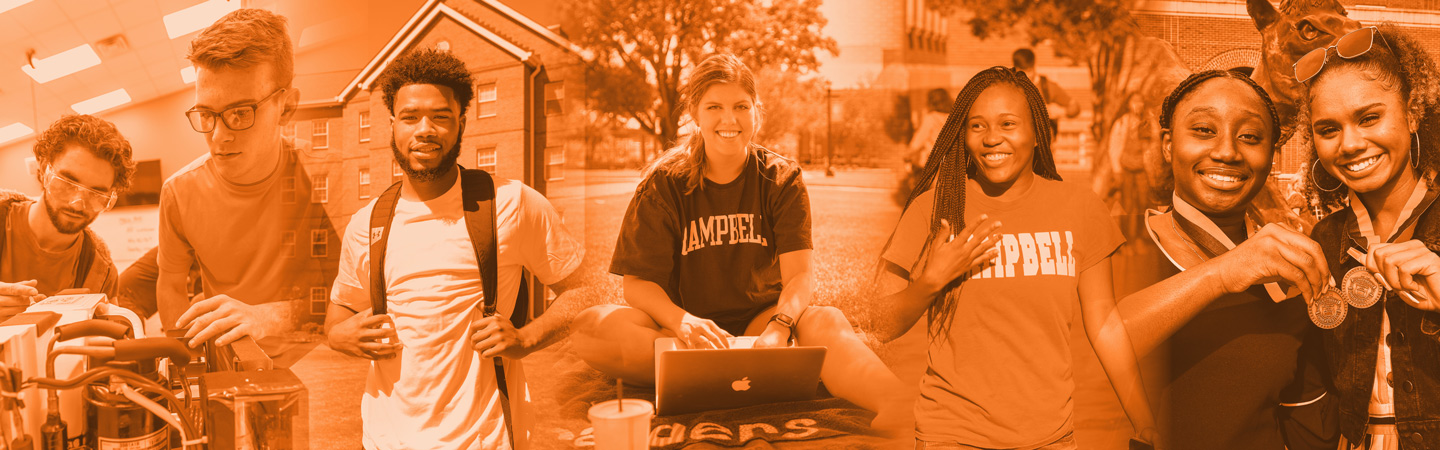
(1130, 74)
(639, 50)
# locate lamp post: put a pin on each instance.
(829, 131)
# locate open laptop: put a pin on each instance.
(695, 380)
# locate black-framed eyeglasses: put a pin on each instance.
(236, 118)
(1351, 45)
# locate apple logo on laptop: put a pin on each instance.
(742, 384)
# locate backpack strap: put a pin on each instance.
(86, 259)
(380, 218)
(4, 217)
(477, 191)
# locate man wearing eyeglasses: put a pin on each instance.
(239, 210)
(47, 246)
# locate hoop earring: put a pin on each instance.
(1415, 152)
(1317, 183)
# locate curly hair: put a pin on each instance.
(96, 135)
(1400, 64)
(246, 38)
(1166, 185)
(427, 66)
(949, 165)
(689, 156)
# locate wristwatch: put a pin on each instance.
(788, 323)
(785, 320)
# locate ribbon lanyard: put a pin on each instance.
(1203, 232)
(1420, 200)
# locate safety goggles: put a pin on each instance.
(75, 194)
(1351, 45)
(236, 118)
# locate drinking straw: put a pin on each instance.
(620, 392)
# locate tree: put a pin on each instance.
(1130, 74)
(638, 50)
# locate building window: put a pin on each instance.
(395, 169)
(555, 98)
(321, 189)
(485, 100)
(287, 243)
(555, 163)
(320, 136)
(485, 159)
(319, 244)
(319, 300)
(364, 183)
(287, 190)
(364, 126)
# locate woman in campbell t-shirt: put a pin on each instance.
(1000, 296)
(715, 244)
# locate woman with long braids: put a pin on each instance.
(1215, 301)
(715, 244)
(999, 297)
(1371, 111)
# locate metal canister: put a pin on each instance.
(113, 422)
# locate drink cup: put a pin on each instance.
(622, 430)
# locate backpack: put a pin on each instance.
(87, 245)
(478, 200)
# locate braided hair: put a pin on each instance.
(949, 165)
(1166, 187)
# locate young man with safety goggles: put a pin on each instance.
(47, 246)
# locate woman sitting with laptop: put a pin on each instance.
(716, 244)
(999, 313)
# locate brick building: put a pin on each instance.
(519, 126)
(905, 47)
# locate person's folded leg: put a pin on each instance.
(617, 340)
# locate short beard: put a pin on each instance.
(427, 175)
(55, 218)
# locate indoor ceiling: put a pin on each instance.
(137, 53)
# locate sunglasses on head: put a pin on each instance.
(1351, 45)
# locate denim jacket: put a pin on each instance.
(1352, 347)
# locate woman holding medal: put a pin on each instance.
(715, 244)
(1372, 114)
(1001, 295)
(1226, 310)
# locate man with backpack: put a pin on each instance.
(1057, 102)
(430, 271)
(47, 245)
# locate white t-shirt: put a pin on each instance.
(438, 393)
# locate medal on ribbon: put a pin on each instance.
(1328, 309)
(1361, 289)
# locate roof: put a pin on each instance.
(532, 25)
(430, 13)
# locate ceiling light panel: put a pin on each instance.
(14, 131)
(102, 102)
(62, 64)
(6, 5)
(194, 18)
